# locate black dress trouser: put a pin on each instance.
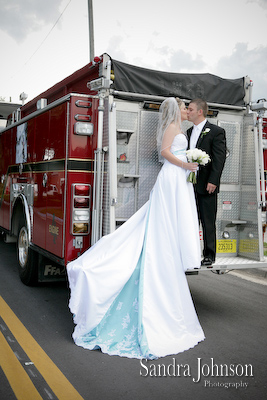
(207, 210)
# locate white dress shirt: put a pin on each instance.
(197, 129)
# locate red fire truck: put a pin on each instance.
(79, 159)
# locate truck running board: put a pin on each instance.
(229, 263)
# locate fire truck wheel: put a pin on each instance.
(27, 258)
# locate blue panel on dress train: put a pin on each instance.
(121, 332)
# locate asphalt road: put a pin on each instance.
(232, 312)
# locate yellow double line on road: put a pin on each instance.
(18, 378)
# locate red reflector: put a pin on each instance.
(81, 190)
(81, 202)
(97, 59)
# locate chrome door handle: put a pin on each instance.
(45, 180)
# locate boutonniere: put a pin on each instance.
(203, 133)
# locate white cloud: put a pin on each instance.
(19, 19)
(181, 61)
(115, 48)
(262, 3)
(244, 61)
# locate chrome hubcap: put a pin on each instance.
(23, 247)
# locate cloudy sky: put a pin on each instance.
(42, 42)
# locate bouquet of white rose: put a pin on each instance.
(199, 156)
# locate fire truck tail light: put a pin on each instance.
(81, 190)
(80, 228)
(81, 202)
(81, 195)
(81, 215)
(84, 128)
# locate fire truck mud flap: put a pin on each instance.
(50, 271)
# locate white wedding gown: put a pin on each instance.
(129, 293)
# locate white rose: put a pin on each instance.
(189, 155)
(205, 161)
(195, 154)
(205, 158)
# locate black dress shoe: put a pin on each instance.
(206, 261)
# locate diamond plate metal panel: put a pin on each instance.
(186, 125)
(249, 237)
(228, 210)
(149, 165)
(231, 171)
(248, 154)
(228, 206)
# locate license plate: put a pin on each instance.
(226, 246)
(249, 246)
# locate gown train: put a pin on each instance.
(129, 292)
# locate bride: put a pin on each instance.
(129, 293)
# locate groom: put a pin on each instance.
(211, 139)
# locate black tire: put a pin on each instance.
(27, 258)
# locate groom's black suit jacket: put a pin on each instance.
(214, 144)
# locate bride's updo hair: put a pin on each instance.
(179, 101)
(169, 113)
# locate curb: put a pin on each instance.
(256, 275)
